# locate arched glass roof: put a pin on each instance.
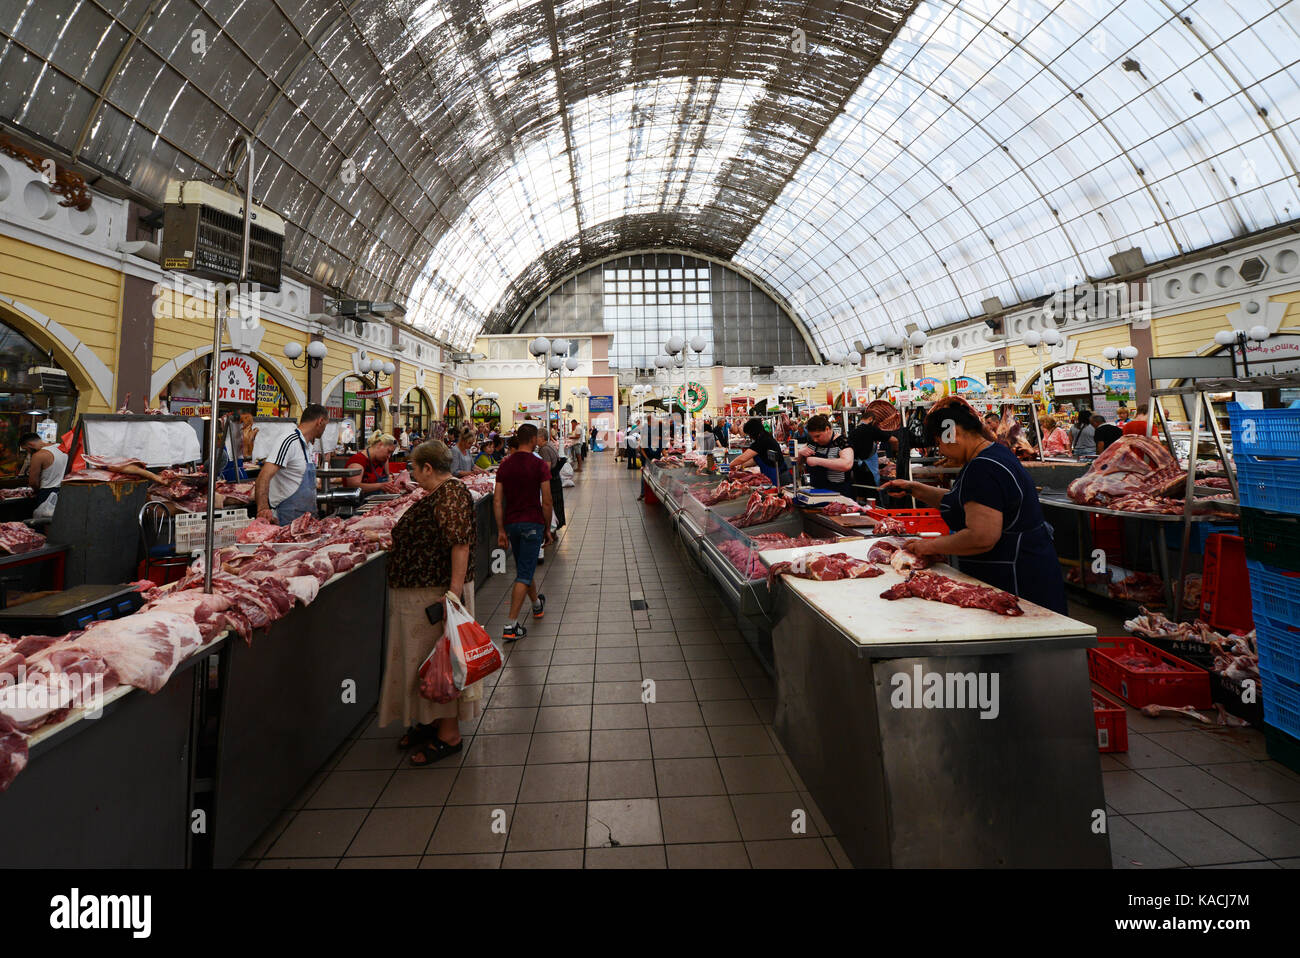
(877, 162)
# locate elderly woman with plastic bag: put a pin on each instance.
(432, 554)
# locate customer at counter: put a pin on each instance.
(1056, 441)
(374, 475)
(286, 486)
(45, 466)
(827, 457)
(432, 555)
(1138, 426)
(1085, 439)
(764, 451)
(999, 535)
(1105, 433)
(462, 459)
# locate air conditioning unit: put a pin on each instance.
(51, 379)
(203, 235)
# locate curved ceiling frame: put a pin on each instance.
(758, 281)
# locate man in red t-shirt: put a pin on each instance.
(1138, 426)
(374, 475)
(522, 505)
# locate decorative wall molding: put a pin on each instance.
(1219, 281)
(91, 366)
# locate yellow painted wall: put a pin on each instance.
(83, 297)
(525, 390)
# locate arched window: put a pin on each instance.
(246, 386)
(416, 411)
(453, 413)
(34, 392)
(487, 410)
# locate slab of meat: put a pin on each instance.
(258, 531)
(891, 552)
(24, 492)
(966, 595)
(763, 506)
(1011, 433)
(304, 588)
(110, 469)
(207, 611)
(725, 491)
(16, 537)
(890, 527)
(1138, 587)
(841, 509)
(235, 493)
(13, 753)
(143, 649)
(1132, 465)
(825, 567)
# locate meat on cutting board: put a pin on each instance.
(966, 595)
(891, 552)
(13, 753)
(143, 649)
(824, 567)
(15, 537)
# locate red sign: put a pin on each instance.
(238, 379)
(374, 393)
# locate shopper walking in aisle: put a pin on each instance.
(432, 555)
(374, 475)
(551, 456)
(633, 446)
(286, 486)
(45, 465)
(522, 506)
(462, 457)
(575, 444)
(998, 531)
(1085, 442)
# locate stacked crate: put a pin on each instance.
(1266, 452)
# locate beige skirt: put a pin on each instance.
(410, 640)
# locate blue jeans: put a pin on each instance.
(526, 543)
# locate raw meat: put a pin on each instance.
(891, 552)
(764, 505)
(841, 509)
(13, 753)
(303, 588)
(745, 557)
(143, 649)
(967, 595)
(23, 492)
(207, 611)
(1011, 434)
(1138, 587)
(16, 537)
(1132, 465)
(890, 527)
(258, 530)
(825, 567)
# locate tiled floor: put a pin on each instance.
(567, 768)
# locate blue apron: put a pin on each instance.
(234, 472)
(303, 499)
(1023, 562)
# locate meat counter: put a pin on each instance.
(936, 736)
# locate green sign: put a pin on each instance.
(353, 403)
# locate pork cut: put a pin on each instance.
(825, 567)
(15, 537)
(891, 552)
(143, 649)
(764, 505)
(841, 509)
(13, 753)
(259, 530)
(967, 595)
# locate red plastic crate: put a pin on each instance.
(1188, 685)
(1112, 724)
(916, 520)
(1225, 584)
(1108, 535)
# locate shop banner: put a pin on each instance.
(1070, 371)
(601, 404)
(375, 393)
(353, 403)
(238, 379)
(1072, 387)
(969, 384)
(1119, 383)
(370, 423)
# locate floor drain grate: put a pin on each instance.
(639, 605)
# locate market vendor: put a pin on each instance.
(764, 451)
(374, 475)
(286, 486)
(827, 457)
(866, 439)
(45, 467)
(999, 535)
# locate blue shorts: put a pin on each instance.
(526, 543)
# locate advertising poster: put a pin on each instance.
(238, 379)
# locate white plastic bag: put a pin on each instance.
(46, 509)
(566, 476)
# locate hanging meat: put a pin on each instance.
(1134, 474)
(764, 505)
(1011, 434)
(967, 595)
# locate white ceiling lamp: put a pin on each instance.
(1051, 337)
(1258, 333)
(571, 363)
(1031, 339)
(955, 356)
(560, 347)
(293, 349)
(540, 346)
(917, 339)
(390, 368)
(554, 363)
(675, 345)
(894, 341)
(661, 362)
(317, 350)
(699, 344)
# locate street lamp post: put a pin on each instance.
(1035, 340)
(1239, 338)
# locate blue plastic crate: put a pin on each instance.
(1274, 593)
(1281, 702)
(1200, 532)
(1279, 647)
(1272, 432)
(1270, 484)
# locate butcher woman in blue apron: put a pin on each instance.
(999, 535)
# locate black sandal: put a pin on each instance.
(413, 736)
(434, 750)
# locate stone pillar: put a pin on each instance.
(135, 345)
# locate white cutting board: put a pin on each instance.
(855, 605)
